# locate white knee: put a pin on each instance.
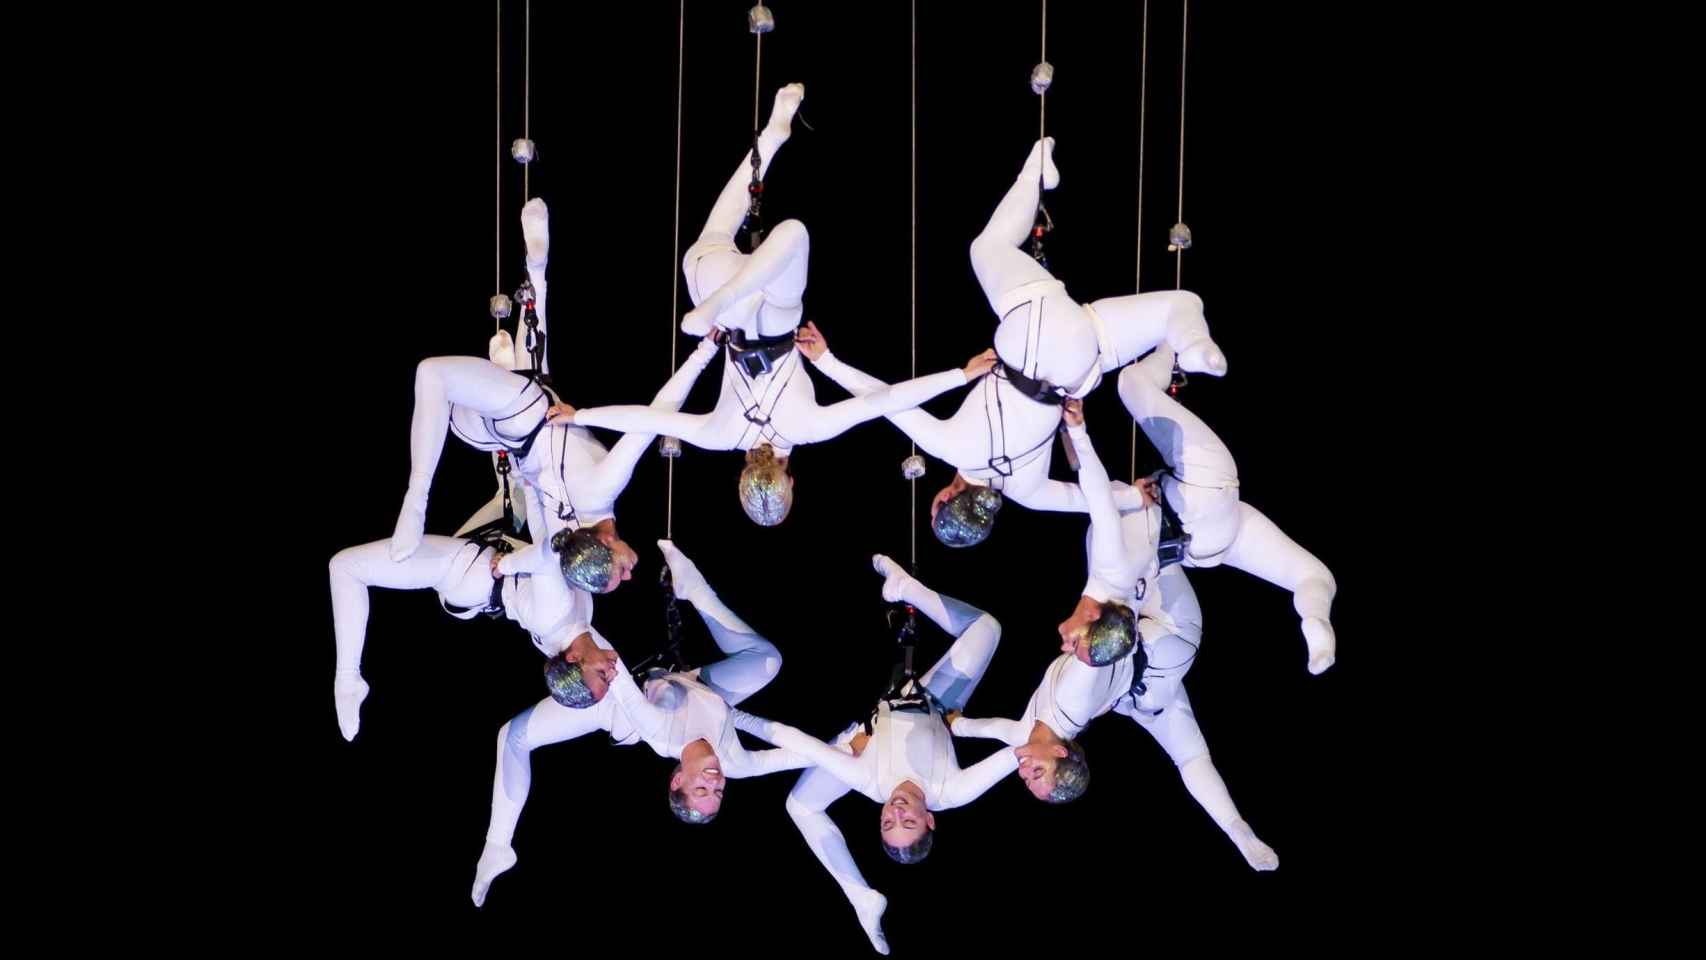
(789, 233)
(1181, 302)
(796, 810)
(429, 373)
(983, 246)
(343, 563)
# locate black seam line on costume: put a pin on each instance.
(530, 404)
(476, 444)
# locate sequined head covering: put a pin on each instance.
(568, 684)
(683, 812)
(765, 493)
(1112, 636)
(966, 519)
(587, 563)
(1071, 775)
(914, 851)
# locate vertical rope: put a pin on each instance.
(1184, 48)
(914, 482)
(1142, 119)
(527, 100)
(675, 253)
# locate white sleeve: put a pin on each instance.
(974, 781)
(610, 477)
(536, 557)
(1011, 732)
(854, 381)
(1105, 534)
(757, 763)
(649, 721)
(841, 765)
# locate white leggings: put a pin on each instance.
(457, 569)
(490, 406)
(1048, 335)
(952, 680)
(758, 293)
(1223, 528)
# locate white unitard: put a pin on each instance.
(673, 711)
(902, 746)
(491, 407)
(1120, 545)
(998, 437)
(1072, 694)
(1202, 487)
(760, 295)
(779, 408)
(1045, 334)
(552, 612)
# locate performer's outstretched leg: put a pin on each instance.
(713, 260)
(452, 566)
(1142, 321)
(536, 234)
(751, 660)
(953, 678)
(1261, 548)
(995, 255)
(543, 723)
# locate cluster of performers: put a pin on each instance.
(1126, 647)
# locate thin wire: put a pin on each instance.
(757, 71)
(1142, 122)
(527, 100)
(914, 525)
(1042, 98)
(1184, 47)
(498, 198)
(675, 253)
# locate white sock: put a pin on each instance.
(1043, 148)
(869, 905)
(1257, 854)
(536, 231)
(493, 861)
(1323, 644)
(348, 691)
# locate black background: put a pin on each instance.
(382, 169)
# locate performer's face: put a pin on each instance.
(702, 781)
(598, 665)
(1036, 766)
(625, 561)
(905, 817)
(1075, 628)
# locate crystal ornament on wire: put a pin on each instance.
(912, 467)
(669, 447)
(760, 20)
(524, 150)
(1042, 76)
(1178, 238)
